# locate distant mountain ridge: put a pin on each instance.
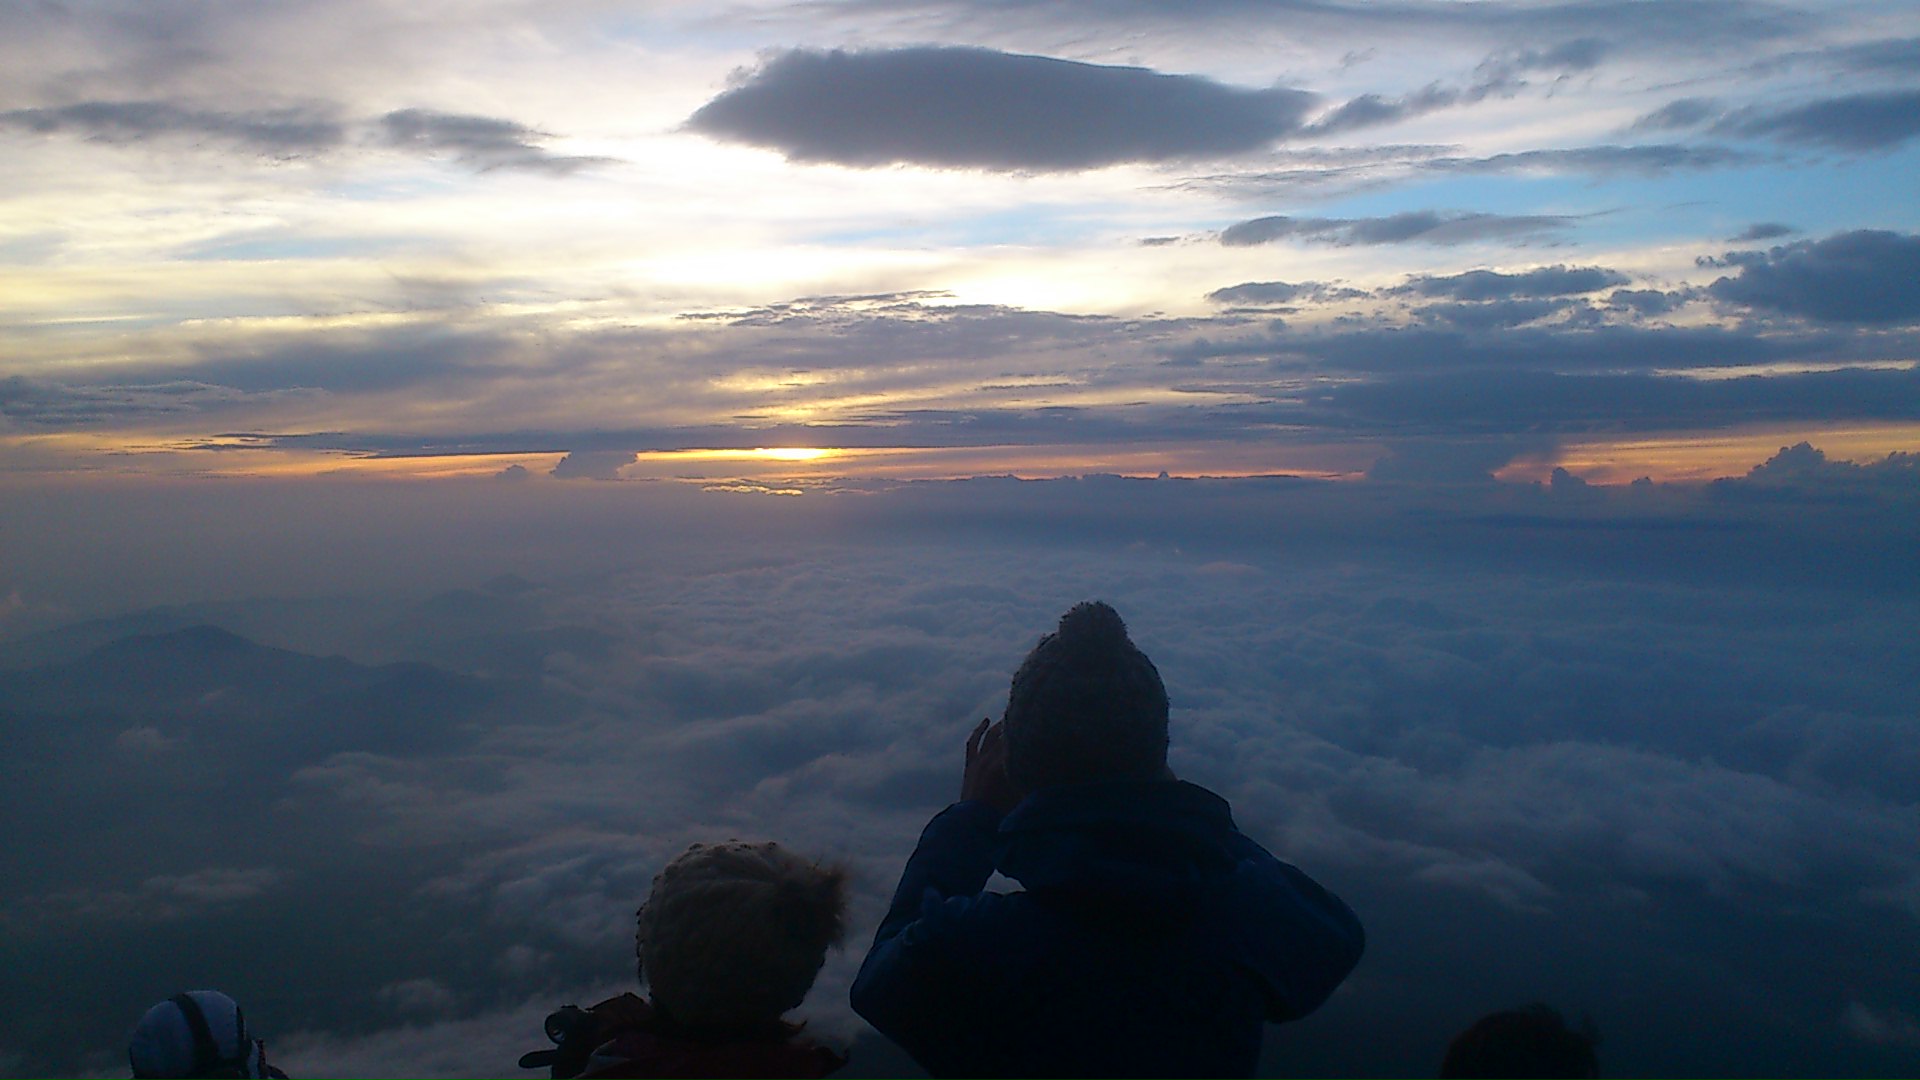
(157, 673)
(205, 682)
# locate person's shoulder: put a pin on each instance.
(957, 938)
(976, 913)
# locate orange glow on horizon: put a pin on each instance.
(1697, 457)
(1673, 457)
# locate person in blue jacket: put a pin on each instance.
(1152, 937)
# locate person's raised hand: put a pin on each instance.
(985, 777)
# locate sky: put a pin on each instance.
(954, 238)
(455, 455)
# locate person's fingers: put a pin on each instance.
(974, 740)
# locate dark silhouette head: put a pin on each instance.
(733, 934)
(1532, 1041)
(1086, 705)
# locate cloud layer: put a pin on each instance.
(1548, 742)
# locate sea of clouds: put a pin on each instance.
(1647, 755)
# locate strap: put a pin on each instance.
(206, 1052)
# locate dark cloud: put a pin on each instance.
(977, 426)
(1413, 226)
(1373, 110)
(1433, 462)
(1649, 302)
(1579, 54)
(1024, 372)
(1493, 285)
(1763, 230)
(593, 464)
(1258, 292)
(1281, 292)
(346, 363)
(1585, 348)
(1863, 277)
(481, 142)
(1683, 113)
(1897, 55)
(951, 107)
(1858, 122)
(259, 376)
(1514, 402)
(1806, 467)
(43, 403)
(289, 132)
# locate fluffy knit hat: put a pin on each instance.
(1086, 705)
(733, 934)
(198, 1033)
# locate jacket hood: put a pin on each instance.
(1160, 857)
(1135, 851)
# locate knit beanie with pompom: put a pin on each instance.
(733, 934)
(1086, 705)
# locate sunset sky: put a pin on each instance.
(1499, 421)
(1221, 237)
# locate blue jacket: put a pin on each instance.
(1152, 939)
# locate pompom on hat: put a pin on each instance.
(1086, 705)
(198, 1033)
(732, 934)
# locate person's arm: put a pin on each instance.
(915, 986)
(957, 849)
(954, 858)
(1319, 941)
(919, 964)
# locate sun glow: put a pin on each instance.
(791, 453)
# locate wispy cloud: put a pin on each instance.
(1871, 121)
(1856, 122)
(278, 132)
(1421, 226)
(483, 142)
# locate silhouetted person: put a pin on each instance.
(1152, 938)
(729, 939)
(201, 1033)
(1532, 1041)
